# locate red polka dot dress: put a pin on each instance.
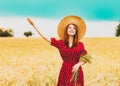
(70, 57)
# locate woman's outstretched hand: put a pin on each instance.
(30, 21)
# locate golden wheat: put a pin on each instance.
(33, 62)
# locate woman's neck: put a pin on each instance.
(70, 41)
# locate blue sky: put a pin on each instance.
(101, 16)
(55, 9)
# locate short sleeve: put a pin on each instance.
(82, 49)
(55, 42)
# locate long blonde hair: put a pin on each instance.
(75, 39)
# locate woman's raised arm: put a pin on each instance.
(31, 22)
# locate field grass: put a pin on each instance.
(33, 62)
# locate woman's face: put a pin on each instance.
(71, 30)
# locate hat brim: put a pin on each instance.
(71, 20)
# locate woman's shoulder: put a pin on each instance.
(56, 39)
(56, 42)
(80, 43)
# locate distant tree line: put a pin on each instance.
(117, 31)
(6, 32)
(28, 33)
(9, 32)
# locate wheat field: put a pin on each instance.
(33, 62)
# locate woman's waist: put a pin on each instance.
(70, 62)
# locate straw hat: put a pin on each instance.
(71, 20)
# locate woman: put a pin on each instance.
(70, 30)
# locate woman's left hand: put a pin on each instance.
(76, 67)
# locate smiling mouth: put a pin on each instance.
(71, 31)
